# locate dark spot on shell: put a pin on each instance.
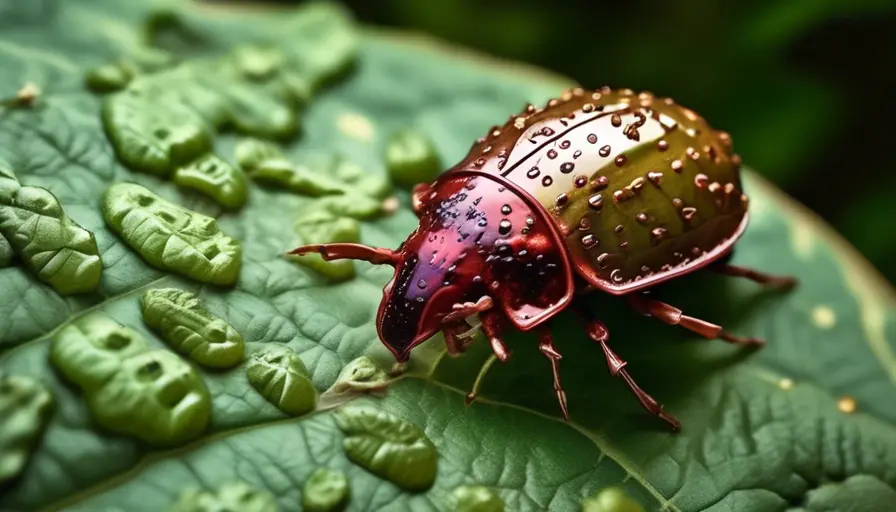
(580, 181)
(562, 199)
(588, 241)
(567, 167)
(552, 154)
(577, 154)
(620, 160)
(506, 209)
(592, 138)
(564, 144)
(615, 120)
(604, 151)
(533, 173)
(547, 181)
(504, 226)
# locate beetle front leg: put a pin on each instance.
(674, 316)
(598, 332)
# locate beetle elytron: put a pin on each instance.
(599, 190)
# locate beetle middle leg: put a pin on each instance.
(492, 325)
(674, 316)
(546, 345)
(598, 332)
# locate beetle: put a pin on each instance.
(603, 190)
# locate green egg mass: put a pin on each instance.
(280, 376)
(326, 490)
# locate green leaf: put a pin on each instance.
(762, 431)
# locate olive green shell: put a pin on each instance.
(640, 188)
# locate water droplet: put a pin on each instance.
(729, 188)
(616, 276)
(486, 149)
(847, 404)
(645, 269)
(547, 181)
(715, 187)
(658, 234)
(677, 165)
(602, 260)
(496, 133)
(547, 131)
(725, 138)
(615, 120)
(533, 173)
(596, 201)
(580, 181)
(604, 151)
(567, 167)
(677, 202)
(600, 183)
(592, 138)
(620, 160)
(637, 184)
(552, 154)
(688, 213)
(584, 224)
(577, 154)
(744, 200)
(588, 241)
(421, 284)
(619, 228)
(655, 177)
(662, 145)
(641, 217)
(587, 107)
(482, 223)
(564, 144)
(506, 209)
(480, 162)
(504, 227)
(562, 199)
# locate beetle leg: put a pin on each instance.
(491, 326)
(673, 316)
(598, 332)
(417, 197)
(782, 282)
(546, 345)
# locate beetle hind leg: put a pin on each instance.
(772, 281)
(674, 316)
(598, 332)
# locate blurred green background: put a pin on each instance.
(803, 86)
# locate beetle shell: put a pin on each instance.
(640, 189)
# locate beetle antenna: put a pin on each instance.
(342, 251)
(471, 396)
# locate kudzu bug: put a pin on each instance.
(603, 190)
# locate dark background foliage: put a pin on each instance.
(803, 86)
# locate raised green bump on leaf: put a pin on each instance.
(360, 374)
(212, 176)
(411, 158)
(90, 350)
(611, 499)
(326, 490)
(389, 447)
(155, 396)
(848, 494)
(54, 247)
(108, 78)
(152, 131)
(252, 112)
(476, 498)
(233, 496)
(190, 329)
(320, 226)
(25, 409)
(250, 153)
(257, 62)
(171, 237)
(280, 376)
(6, 253)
